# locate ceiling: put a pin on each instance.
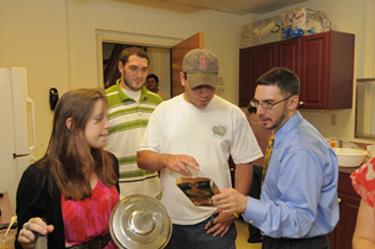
(240, 7)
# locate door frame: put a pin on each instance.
(133, 38)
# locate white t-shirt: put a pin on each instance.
(210, 135)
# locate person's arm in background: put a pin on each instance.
(244, 134)
(364, 234)
(243, 140)
(243, 178)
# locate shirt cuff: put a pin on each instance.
(255, 212)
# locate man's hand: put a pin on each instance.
(220, 225)
(230, 200)
(182, 164)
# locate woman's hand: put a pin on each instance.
(27, 235)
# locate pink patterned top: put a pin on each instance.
(89, 218)
(363, 180)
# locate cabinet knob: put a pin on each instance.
(339, 200)
(300, 103)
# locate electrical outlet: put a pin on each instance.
(333, 119)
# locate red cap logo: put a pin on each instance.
(202, 64)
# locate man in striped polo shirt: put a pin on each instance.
(130, 106)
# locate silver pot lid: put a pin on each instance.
(140, 222)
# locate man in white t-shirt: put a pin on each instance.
(194, 134)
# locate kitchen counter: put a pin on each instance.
(6, 211)
(348, 170)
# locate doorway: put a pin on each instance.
(159, 65)
(165, 53)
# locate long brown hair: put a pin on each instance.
(71, 159)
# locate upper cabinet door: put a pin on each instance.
(265, 58)
(314, 75)
(246, 75)
(254, 62)
(327, 70)
(288, 55)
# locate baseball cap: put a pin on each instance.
(201, 67)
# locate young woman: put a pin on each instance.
(364, 183)
(69, 194)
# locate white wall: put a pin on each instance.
(160, 61)
(33, 34)
(85, 17)
(57, 41)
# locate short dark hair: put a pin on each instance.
(129, 51)
(151, 75)
(286, 80)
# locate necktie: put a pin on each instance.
(267, 155)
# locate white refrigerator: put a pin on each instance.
(17, 129)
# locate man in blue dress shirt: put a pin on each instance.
(298, 206)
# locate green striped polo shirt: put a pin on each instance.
(127, 122)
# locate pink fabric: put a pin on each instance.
(89, 218)
(363, 180)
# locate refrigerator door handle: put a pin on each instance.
(33, 130)
(19, 155)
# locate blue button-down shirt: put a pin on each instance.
(299, 194)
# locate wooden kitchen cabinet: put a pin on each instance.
(341, 237)
(247, 75)
(6, 210)
(324, 63)
(327, 61)
(253, 62)
(288, 53)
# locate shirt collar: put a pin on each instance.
(124, 97)
(290, 124)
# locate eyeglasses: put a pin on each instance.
(266, 105)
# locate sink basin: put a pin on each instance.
(349, 157)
